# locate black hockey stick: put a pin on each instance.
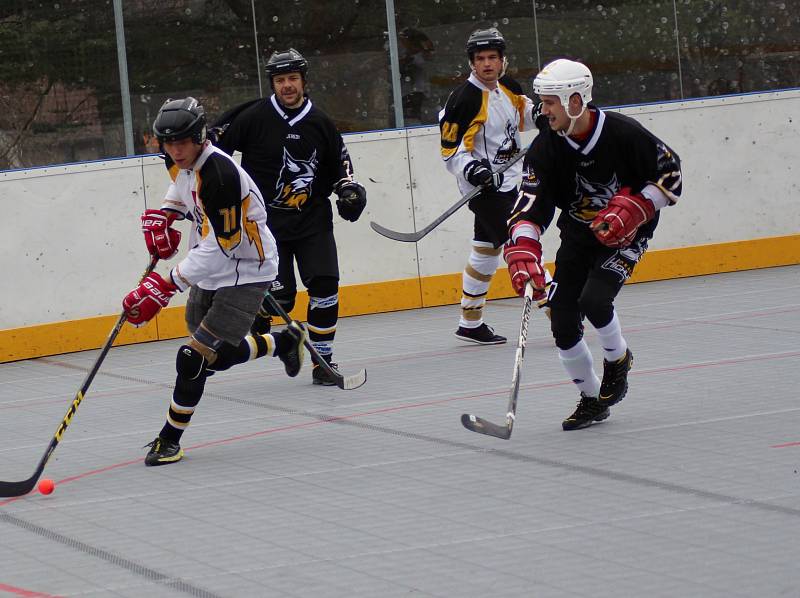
(416, 236)
(343, 382)
(478, 424)
(19, 488)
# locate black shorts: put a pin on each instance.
(594, 270)
(227, 313)
(492, 210)
(315, 256)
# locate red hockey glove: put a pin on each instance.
(143, 303)
(162, 241)
(617, 223)
(524, 259)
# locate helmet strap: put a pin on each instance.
(572, 119)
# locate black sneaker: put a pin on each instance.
(320, 376)
(293, 357)
(163, 452)
(262, 324)
(483, 335)
(589, 410)
(615, 379)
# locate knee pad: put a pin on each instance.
(484, 260)
(567, 328)
(323, 286)
(190, 363)
(598, 308)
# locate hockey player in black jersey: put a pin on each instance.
(480, 131)
(609, 177)
(298, 158)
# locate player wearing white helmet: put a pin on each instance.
(609, 177)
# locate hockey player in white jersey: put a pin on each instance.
(480, 130)
(231, 261)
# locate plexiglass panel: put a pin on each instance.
(734, 46)
(346, 46)
(629, 46)
(176, 48)
(59, 83)
(432, 38)
(60, 88)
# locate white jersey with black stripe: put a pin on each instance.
(229, 242)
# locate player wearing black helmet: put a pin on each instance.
(298, 158)
(230, 263)
(480, 130)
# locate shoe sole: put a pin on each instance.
(477, 342)
(301, 352)
(598, 418)
(323, 383)
(610, 402)
(164, 460)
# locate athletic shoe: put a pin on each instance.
(589, 410)
(163, 452)
(292, 357)
(320, 376)
(615, 379)
(482, 335)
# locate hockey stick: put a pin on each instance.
(343, 382)
(416, 236)
(482, 426)
(19, 488)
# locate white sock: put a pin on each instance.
(611, 339)
(578, 362)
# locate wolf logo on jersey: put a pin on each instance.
(592, 197)
(294, 182)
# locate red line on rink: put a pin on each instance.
(788, 444)
(687, 366)
(26, 593)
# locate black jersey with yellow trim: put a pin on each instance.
(580, 177)
(296, 157)
(466, 111)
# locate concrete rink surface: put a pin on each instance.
(689, 489)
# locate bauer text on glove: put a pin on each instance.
(162, 240)
(143, 303)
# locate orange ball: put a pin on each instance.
(46, 486)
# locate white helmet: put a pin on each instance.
(563, 78)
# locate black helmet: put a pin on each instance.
(485, 39)
(180, 119)
(286, 61)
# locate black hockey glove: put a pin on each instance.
(215, 133)
(479, 173)
(352, 200)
